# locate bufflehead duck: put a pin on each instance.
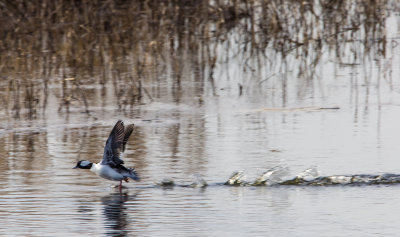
(111, 167)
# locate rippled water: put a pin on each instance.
(313, 157)
(190, 143)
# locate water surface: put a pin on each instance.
(306, 121)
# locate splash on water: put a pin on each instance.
(196, 182)
(309, 174)
(276, 176)
(271, 177)
(359, 179)
(237, 179)
(310, 177)
(166, 182)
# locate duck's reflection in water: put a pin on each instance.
(116, 218)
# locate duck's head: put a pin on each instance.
(83, 164)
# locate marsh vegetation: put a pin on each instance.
(67, 48)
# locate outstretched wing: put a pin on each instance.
(115, 144)
(127, 133)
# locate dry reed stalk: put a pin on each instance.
(132, 43)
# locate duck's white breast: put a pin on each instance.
(106, 172)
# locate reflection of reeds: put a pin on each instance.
(134, 43)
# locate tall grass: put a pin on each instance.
(130, 43)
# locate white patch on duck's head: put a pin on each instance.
(83, 164)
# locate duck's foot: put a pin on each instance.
(117, 186)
